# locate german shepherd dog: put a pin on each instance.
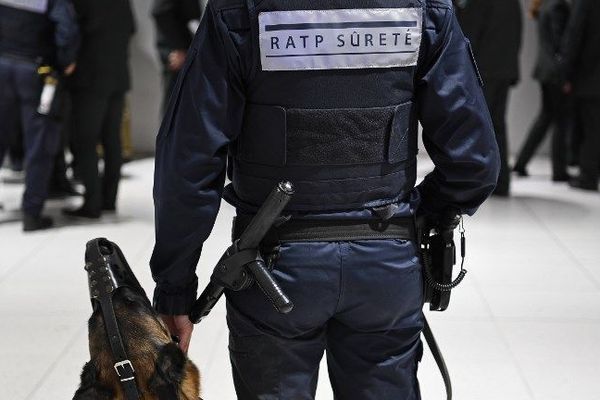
(161, 368)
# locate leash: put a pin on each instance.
(438, 357)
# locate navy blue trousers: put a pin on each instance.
(358, 302)
(20, 92)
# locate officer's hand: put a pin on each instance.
(180, 326)
(177, 59)
(567, 88)
(70, 69)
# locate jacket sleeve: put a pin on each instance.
(203, 117)
(66, 32)
(457, 128)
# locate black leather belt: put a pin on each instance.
(338, 230)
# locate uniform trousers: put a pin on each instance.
(496, 96)
(97, 120)
(359, 302)
(19, 99)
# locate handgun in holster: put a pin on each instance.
(438, 253)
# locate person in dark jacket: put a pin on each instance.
(98, 93)
(34, 33)
(581, 69)
(494, 28)
(263, 102)
(552, 17)
(173, 37)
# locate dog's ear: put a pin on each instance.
(90, 388)
(169, 369)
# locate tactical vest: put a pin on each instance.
(330, 106)
(26, 30)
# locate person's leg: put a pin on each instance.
(496, 95)
(373, 341)
(113, 155)
(9, 107)
(276, 356)
(88, 115)
(538, 129)
(42, 139)
(590, 146)
(561, 112)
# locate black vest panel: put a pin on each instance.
(26, 33)
(346, 138)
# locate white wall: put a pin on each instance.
(146, 93)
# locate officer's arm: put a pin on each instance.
(171, 24)
(204, 115)
(66, 31)
(457, 128)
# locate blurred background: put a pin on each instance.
(79, 115)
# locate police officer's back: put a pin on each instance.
(33, 33)
(327, 95)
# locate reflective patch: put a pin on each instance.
(36, 6)
(339, 39)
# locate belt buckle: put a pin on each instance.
(121, 366)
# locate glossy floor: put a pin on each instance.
(525, 324)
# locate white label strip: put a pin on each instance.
(339, 39)
(37, 6)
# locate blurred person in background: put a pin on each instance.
(495, 29)
(581, 69)
(173, 37)
(98, 91)
(552, 17)
(34, 33)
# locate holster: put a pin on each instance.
(438, 257)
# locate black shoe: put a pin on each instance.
(520, 171)
(36, 223)
(82, 212)
(579, 183)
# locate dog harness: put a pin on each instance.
(108, 271)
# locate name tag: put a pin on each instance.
(339, 39)
(36, 6)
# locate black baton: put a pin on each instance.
(250, 239)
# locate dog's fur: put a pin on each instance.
(158, 362)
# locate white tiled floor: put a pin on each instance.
(525, 325)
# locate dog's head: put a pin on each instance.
(161, 368)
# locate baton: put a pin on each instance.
(250, 239)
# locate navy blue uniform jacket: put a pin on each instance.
(205, 116)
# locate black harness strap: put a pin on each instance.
(102, 284)
(123, 366)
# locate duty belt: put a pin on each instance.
(343, 230)
(338, 230)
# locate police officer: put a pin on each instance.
(33, 32)
(327, 95)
